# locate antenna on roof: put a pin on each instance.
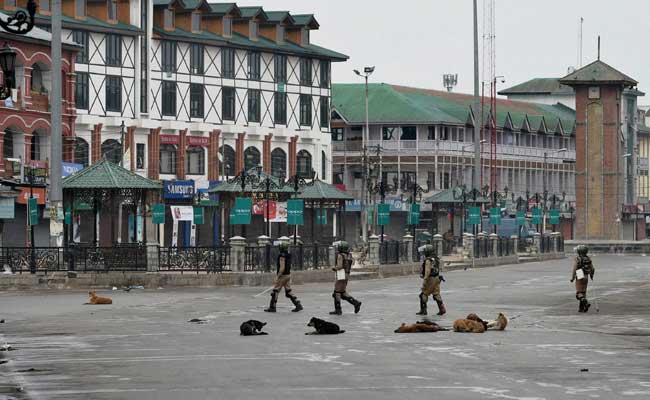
(450, 81)
(580, 44)
(598, 47)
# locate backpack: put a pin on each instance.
(585, 264)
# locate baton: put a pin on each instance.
(266, 291)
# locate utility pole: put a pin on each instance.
(476, 173)
(56, 152)
(367, 71)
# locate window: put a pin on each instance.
(36, 80)
(324, 74)
(81, 37)
(81, 91)
(81, 150)
(112, 151)
(337, 134)
(195, 160)
(431, 133)
(168, 19)
(196, 22)
(323, 165)
(408, 133)
(113, 93)
(80, 8)
(251, 158)
(8, 148)
(114, 50)
(444, 133)
(280, 64)
(254, 105)
(305, 110)
(143, 96)
(252, 30)
(324, 112)
(280, 109)
(279, 163)
(254, 65)
(168, 56)
(228, 63)
(112, 10)
(196, 59)
(228, 160)
(35, 148)
(167, 159)
(304, 37)
(228, 103)
(304, 164)
(305, 71)
(196, 100)
(227, 26)
(387, 132)
(139, 155)
(280, 34)
(169, 98)
(44, 5)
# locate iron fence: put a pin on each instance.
(522, 245)
(389, 252)
(194, 259)
(546, 244)
(560, 244)
(303, 256)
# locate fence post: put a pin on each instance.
(237, 253)
(494, 239)
(555, 236)
(480, 237)
(373, 250)
(515, 241)
(537, 244)
(153, 257)
(408, 242)
(468, 246)
(264, 241)
(437, 244)
(331, 256)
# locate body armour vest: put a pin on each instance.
(287, 263)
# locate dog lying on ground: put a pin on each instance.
(474, 324)
(498, 324)
(252, 328)
(420, 326)
(323, 327)
(94, 299)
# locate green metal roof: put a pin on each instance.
(279, 16)
(539, 86)
(250, 12)
(447, 196)
(89, 23)
(305, 19)
(106, 175)
(223, 8)
(320, 190)
(600, 72)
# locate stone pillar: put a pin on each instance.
(408, 241)
(28, 147)
(213, 155)
(263, 240)
(480, 237)
(494, 243)
(515, 240)
(153, 151)
(180, 154)
(153, 261)
(536, 243)
(468, 246)
(96, 144)
(130, 144)
(437, 244)
(237, 253)
(555, 236)
(266, 154)
(373, 250)
(293, 156)
(239, 153)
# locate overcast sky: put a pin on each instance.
(414, 42)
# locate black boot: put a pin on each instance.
(274, 299)
(337, 307)
(423, 307)
(441, 307)
(581, 308)
(354, 302)
(296, 304)
(586, 304)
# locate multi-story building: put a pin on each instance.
(427, 136)
(188, 90)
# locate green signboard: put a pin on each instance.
(243, 207)
(33, 211)
(474, 215)
(554, 217)
(231, 219)
(383, 214)
(67, 219)
(495, 216)
(295, 212)
(414, 214)
(371, 215)
(198, 215)
(521, 218)
(158, 213)
(321, 217)
(537, 216)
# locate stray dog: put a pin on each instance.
(420, 326)
(252, 328)
(472, 324)
(323, 327)
(498, 324)
(94, 299)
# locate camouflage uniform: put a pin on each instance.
(343, 261)
(431, 278)
(283, 280)
(583, 262)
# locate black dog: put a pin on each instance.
(323, 327)
(252, 328)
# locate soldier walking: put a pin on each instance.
(431, 278)
(583, 269)
(343, 262)
(283, 279)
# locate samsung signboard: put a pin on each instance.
(178, 190)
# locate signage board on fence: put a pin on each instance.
(198, 216)
(158, 213)
(537, 216)
(243, 209)
(371, 215)
(7, 207)
(495, 216)
(67, 218)
(414, 214)
(32, 205)
(295, 212)
(182, 213)
(521, 218)
(383, 214)
(474, 215)
(554, 217)
(321, 217)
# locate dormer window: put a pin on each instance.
(280, 34)
(168, 19)
(304, 37)
(80, 8)
(227, 26)
(10, 4)
(112, 10)
(196, 22)
(252, 28)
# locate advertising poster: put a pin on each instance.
(280, 212)
(182, 213)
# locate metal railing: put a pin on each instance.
(194, 259)
(389, 252)
(303, 257)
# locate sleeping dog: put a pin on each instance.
(420, 326)
(252, 328)
(323, 327)
(474, 324)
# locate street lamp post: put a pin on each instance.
(367, 71)
(32, 255)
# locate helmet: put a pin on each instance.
(343, 246)
(283, 246)
(428, 250)
(582, 250)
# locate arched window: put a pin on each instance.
(81, 152)
(279, 163)
(37, 79)
(112, 150)
(227, 165)
(8, 148)
(35, 148)
(167, 159)
(323, 166)
(195, 160)
(251, 158)
(304, 168)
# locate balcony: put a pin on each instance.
(40, 102)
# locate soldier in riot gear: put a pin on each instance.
(283, 279)
(583, 269)
(431, 278)
(343, 262)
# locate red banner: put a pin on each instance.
(39, 195)
(198, 141)
(259, 208)
(169, 139)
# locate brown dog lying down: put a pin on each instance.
(94, 299)
(420, 326)
(474, 324)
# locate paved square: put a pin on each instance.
(142, 347)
